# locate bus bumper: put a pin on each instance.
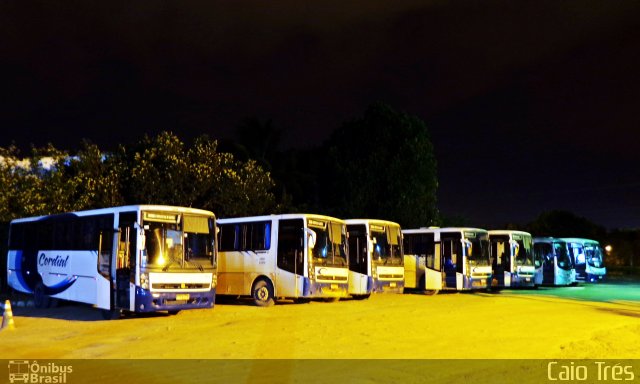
(147, 301)
(316, 289)
(383, 286)
(594, 278)
(523, 281)
(476, 282)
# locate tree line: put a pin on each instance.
(357, 172)
(379, 165)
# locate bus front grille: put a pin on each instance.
(174, 286)
(332, 278)
(391, 276)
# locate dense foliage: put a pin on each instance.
(381, 165)
(156, 170)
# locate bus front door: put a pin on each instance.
(450, 259)
(123, 271)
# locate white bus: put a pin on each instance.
(512, 259)
(376, 262)
(557, 267)
(446, 259)
(588, 260)
(138, 258)
(298, 256)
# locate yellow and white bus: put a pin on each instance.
(293, 256)
(376, 261)
(512, 259)
(453, 258)
(138, 258)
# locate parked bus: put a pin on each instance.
(446, 259)
(588, 260)
(298, 256)
(557, 267)
(512, 259)
(138, 258)
(376, 262)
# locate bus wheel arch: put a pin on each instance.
(262, 292)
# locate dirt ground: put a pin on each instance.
(409, 326)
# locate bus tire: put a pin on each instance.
(431, 292)
(174, 311)
(262, 293)
(361, 297)
(111, 314)
(40, 299)
(302, 300)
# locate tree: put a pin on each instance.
(158, 171)
(35, 185)
(162, 170)
(558, 223)
(381, 165)
(227, 186)
(95, 176)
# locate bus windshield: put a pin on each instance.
(564, 260)
(386, 245)
(168, 246)
(525, 252)
(593, 255)
(478, 251)
(330, 246)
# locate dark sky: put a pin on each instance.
(532, 105)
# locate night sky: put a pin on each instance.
(532, 105)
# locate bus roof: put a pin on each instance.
(580, 240)
(124, 208)
(548, 239)
(507, 232)
(284, 216)
(372, 221)
(444, 229)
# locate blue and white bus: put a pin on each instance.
(289, 256)
(512, 259)
(138, 258)
(588, 260)
(376, 261)
(552, 254)
(452, 258)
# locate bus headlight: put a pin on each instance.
(214, 280)
(144, 281)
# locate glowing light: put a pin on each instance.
(608, 248)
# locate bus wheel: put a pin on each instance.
(40, 299)
(431, 292)
(263, 294)
(174, 311)
(111, 314)
(361, 297)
